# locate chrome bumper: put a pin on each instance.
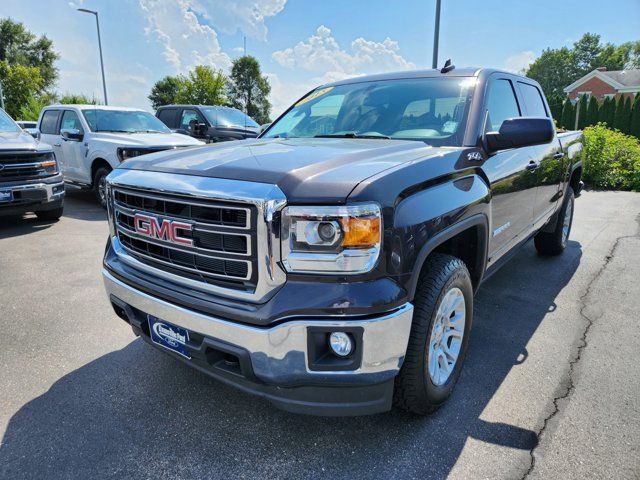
(279, 354)
(47, 187)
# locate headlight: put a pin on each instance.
(127, 153)
(331, 240)
(49, 163)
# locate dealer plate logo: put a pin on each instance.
(168, 335)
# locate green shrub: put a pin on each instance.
(611, 159)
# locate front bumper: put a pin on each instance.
(33, 196)
(274, 362)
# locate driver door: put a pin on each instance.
(73, 149)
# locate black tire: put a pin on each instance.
(50, 215)
(554, 243)
(415, 391)
(99, 184)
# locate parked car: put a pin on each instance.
(209, 123)
(30, 127)
(29, 177)
(330, 265)
(89, 141)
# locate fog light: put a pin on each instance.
(340, 343)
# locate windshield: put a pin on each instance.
(426, 109)
(126, 121)
(228, 117)
(6, 124)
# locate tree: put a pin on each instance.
(626, 116)
(77, 99)
(203, 86)
(620, 120)
(557, 68)
(166, 91)
(634, 123)
(18, 46)
(19, 84)
(249, 89)
(568, 117)
(582, 107)
(592, 112)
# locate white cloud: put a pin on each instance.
(284, 94)
(321, 53)
(185, 40)
(520, 61)
(247, 16)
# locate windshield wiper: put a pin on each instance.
(114, 131)
(350, 135)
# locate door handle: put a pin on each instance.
(558, 156)
(56, 145)
(533, 166)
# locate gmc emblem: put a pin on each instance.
(166, 230)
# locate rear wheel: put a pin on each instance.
(443, 311)
(554, 243)
(100, 185)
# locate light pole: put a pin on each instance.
(436, 36)
(104, 83)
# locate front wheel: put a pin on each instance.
(443, 311)
(100, 185)
(554, 243)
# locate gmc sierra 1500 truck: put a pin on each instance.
(329, 265)
(29, 177)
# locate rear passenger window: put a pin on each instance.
(49, 122)
(168, 117)
(502, 104)
(532, 99)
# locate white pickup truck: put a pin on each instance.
(90, 140)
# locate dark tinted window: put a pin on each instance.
(49, 122)
(502, 104)
(70, 121)
(533, 103)
(189, 116)
(168, 117)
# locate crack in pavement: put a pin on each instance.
(582, 343)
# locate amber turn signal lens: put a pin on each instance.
(48, 163)
(360, 232)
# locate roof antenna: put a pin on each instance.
(448, 66)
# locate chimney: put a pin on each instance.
(602, 69)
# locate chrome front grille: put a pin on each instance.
(222, 235)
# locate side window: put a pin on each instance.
(502, 104)
(532, 99)
(187, 116)
(70, 121)
(49, 122)
(168, 117)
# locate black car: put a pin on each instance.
(209, 123)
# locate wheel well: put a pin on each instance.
(98, 163)
(574, 181)
(468, 246)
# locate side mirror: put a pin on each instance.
(72, 134)
(520, 132)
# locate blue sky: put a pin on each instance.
(302, 43)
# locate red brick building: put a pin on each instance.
(601, 83)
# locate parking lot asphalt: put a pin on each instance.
(550, 388)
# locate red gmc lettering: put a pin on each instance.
(166, 230)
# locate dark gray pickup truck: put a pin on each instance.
(30, 179)
(329, 266)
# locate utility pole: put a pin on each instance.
(436, 36)
(577, 113)
(1, 97)
(104, 83)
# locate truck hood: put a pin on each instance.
(322, 170)
(20, 141)
(146, 139)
